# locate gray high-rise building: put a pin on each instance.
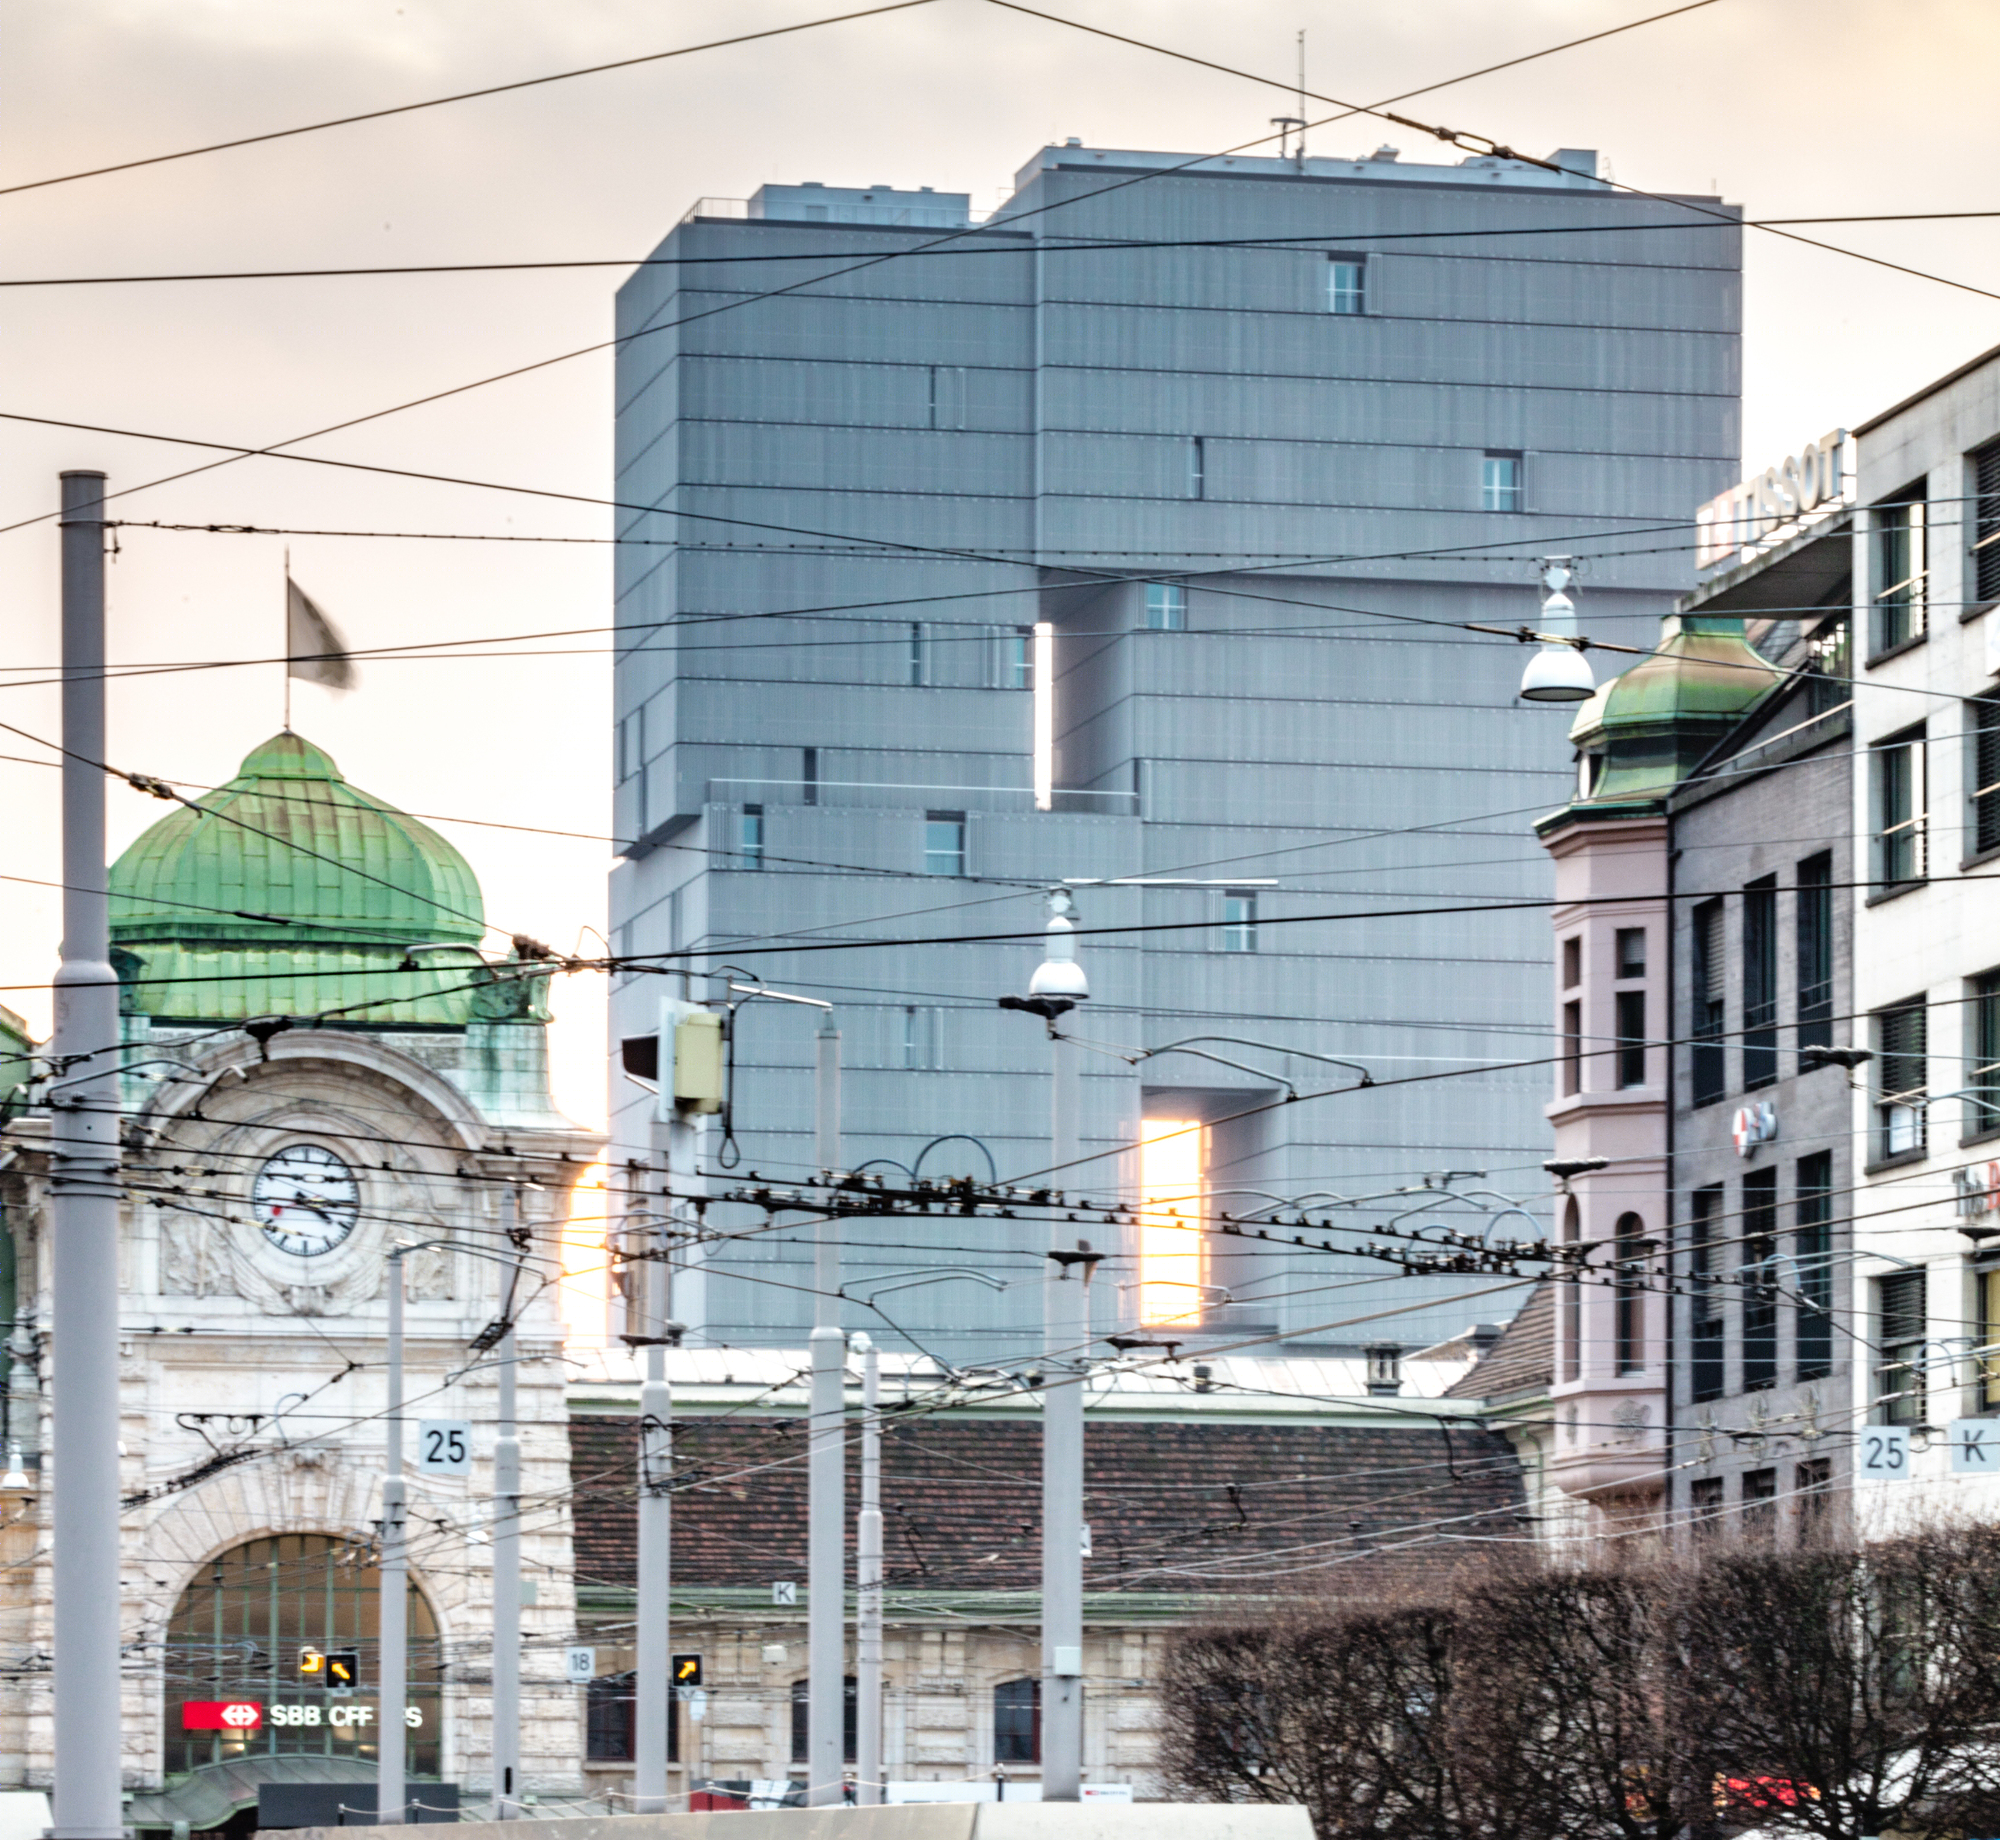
(1193, 468)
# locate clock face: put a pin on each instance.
(306, 1200)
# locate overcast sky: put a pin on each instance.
(1790, 110)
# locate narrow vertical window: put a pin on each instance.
(920, 1039)
(1017, 659)
(1500, 482)
(1631, 958)
(1903, 1310)
(1813, 1246)
(1017, 1721)
(801, 1719)
(1172, 1162)
(1042, 715)
(1706, 1004)
(1705, 1314)
(1239, 921)
(916, 656)
(1898, 568)
(1346, 285)
(1902, 1071)
(1760, 982)
(1982, 775)
(750, 837)
(1814, 942)
(1985, 523)
(947, 396)
(809, 774)
(1988, 1353)
(1760, 1280)
(1760, 1505)
(1899, 809)
(1197, 467)
(1982, 1032)
(1572, 1296)
(1629, 1294)
(1166, 606)
(631, 744)
(944, 842)
(1631, 1038)
(1572, 1049)
(1572, 962)
(1829, 672)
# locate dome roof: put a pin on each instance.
(288, 853)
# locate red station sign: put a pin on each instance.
(221, 1715)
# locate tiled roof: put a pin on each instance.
(1523, 1360)
(1173, 1507)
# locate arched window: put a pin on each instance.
(1629, 1287)
(290, 1626)
(1572, 1302)
(850, 1714)
(611, 1733)
(1017, 1721)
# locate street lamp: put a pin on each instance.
(1559, 672)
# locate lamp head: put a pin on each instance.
(1558, 674)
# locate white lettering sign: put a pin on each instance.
(1745, 515)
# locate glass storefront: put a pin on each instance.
(274, 1650)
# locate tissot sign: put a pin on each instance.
(1745, 515)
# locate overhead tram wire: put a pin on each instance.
(1301, 243)
(469, 95)
(618, 342)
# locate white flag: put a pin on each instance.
(314, 650)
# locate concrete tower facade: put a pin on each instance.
(1125, 536)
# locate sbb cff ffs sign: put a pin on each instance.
(221, 1715)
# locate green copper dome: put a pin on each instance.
(288, 850)
(290, 890)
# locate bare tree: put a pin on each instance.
(1858, 1686)
(1834, 1690)
(1575, 1705)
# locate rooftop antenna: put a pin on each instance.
(1300, 155)
(1288, 148)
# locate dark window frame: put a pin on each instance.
(1902, 1325)
(1707, 1003)
(1017, 1721)
(1812, 925)
(1759, 1280)
(1760, 982)
(1707, 1323)
(1812, 1248)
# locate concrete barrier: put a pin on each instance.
(912, 1821)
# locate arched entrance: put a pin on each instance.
(289, 1626)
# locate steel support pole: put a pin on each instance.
(83, 1220)
(653, 1687)
(869, 1787)
(507, 1569)
(1066, 1331)
(390, 1776)
(826, 1468)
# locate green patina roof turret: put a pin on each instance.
(290, 891)
(1648, 728)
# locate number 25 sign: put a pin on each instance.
(444, 1446)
